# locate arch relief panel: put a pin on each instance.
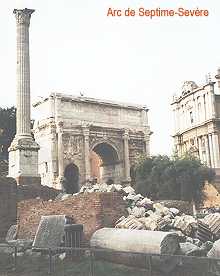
(73, 147)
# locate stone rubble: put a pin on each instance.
(203, 233)
(213, 223)
(50, 231)
(196, 235)
(12, 233)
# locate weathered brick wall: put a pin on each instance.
(8, 204)
(94, 211)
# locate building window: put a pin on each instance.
(192, 141)
(191, 117)
(46, 167)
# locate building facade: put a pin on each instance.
(81, 137)
(197, 121)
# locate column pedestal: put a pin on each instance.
(23, 161)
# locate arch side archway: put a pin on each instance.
(71, 174)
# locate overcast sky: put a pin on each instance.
(76, 48)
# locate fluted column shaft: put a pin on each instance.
(211, 151)
(86, 152)
(23, 116)
(200, 148)
(60, 149)
(126, 156)
(216, 150)
(213, 110)
(207, 151)
(147, 144)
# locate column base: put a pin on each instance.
(126, 182)
(59, 182)
(23, 143)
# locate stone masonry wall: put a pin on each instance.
(94, 211)
(8, 204)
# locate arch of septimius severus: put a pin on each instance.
(82, 137)
(76, 138)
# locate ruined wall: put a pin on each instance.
(25, 192)
(94, 211)
(10, 194)
(8, 204)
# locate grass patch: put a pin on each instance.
(39, 266)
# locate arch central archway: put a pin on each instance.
(104, 162)
(71, 175)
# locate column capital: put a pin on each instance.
(214, 132)
(85, 128)
(23, 16)
(60, 126)
(147, 137)
(125, 135)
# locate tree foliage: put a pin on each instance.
(164, 177)
(7, 129)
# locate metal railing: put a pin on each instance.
(65, 261)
